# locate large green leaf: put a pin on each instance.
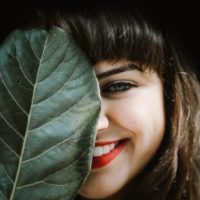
(49, 105)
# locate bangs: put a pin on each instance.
(117, 33)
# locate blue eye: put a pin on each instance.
(118, 86)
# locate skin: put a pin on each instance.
(135, 113)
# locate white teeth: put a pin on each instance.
(102, 150)
(98, 151)
(112, 146)
(106, 149)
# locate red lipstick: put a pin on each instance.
(103, 160)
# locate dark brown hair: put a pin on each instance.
(111, 32)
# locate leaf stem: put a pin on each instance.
(25, 136)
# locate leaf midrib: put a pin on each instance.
(28, 123)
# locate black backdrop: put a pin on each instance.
(182, 17)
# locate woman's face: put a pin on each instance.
(130, 128)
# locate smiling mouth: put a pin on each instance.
(105, 152)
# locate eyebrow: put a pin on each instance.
(118, 70)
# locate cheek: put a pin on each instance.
(127, 117)
(143, 119)
(139, 116)
(148, 128)
(146, 131)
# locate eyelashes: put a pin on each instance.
(118, 87)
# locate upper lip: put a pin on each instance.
(101, 143)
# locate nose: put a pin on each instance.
(103, 122)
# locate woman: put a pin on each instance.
(147, 144)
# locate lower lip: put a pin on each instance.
(103, 160)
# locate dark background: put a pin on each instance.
(181, 17)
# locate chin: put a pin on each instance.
(96, 194)
(102, 188)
